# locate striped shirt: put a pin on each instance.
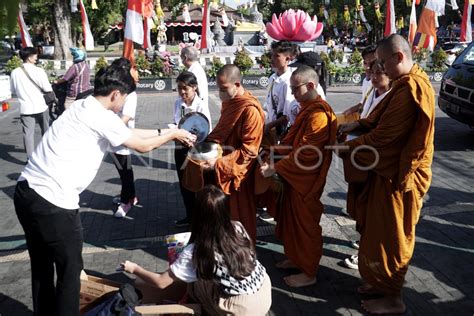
(78, 77)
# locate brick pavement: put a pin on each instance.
(440, 279)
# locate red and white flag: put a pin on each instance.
(390, 27)
(86, 29)
(25, 36)
(205, 24)
(137, 28)
(466, 26)
(413, 24)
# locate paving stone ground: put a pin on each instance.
(440, 280)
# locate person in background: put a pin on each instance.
(33, 108)
(279, 97)
(189, 100)
(208, 263)
(121, 155)
(78, 76)
(61, 167)
(190, 58)
(368, 56)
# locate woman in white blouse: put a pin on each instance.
(187, 102)
(380, 88)
(219, 263)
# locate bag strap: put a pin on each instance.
(28, 75)
(82, 70)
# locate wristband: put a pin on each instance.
(159, 131)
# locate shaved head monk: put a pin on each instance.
(303, 170)
(239, 131)
(386, 200)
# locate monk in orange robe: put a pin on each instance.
(303, 170)
(239, 132)
(389, 172)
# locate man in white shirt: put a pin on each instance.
(190, 58)
(61, 167)
(33, 108)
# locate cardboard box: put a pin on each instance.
(95, 290)
(149, 310)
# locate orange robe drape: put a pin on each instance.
(386, 204)
(239, 132)
(304, 171)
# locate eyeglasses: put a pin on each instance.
(293, 88)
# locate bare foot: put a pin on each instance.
(385, 305)
(299, 280)
(367, 289)
(286, 264)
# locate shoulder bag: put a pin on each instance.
(49, 96)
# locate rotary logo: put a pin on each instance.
(263, 81)
(438, 76)
(356, 78)
(160, 84)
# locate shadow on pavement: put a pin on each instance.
(12, 307)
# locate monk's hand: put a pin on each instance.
(267, 170)
(347, 128)
(185, 137)
(129, 266)
(209, 164)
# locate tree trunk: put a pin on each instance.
(62, 29)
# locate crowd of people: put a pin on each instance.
(274, 156)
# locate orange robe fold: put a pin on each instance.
(386, 206)
(239, 132)
(304, 169)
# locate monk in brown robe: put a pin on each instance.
(239, 132)
(303, 170)
(389, 171)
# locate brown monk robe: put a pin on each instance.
(303, 170)
(386, 200)
(239, 132)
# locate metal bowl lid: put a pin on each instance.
(196, 123)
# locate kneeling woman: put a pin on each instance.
(219, 262)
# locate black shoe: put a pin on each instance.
(182, 222)
(265, 216)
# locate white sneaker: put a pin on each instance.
(352, 262)
(355, 244)
(122, 210)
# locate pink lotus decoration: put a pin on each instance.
(294, 26)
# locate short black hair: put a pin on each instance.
(113, 77)
(26, 52)
(189, 79)
(122, 62)
(285, 47)
(368, 50)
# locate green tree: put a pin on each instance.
(8, 13)
(243, 61)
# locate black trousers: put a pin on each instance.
(189, 197)
(54, 240)
(123, 163)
